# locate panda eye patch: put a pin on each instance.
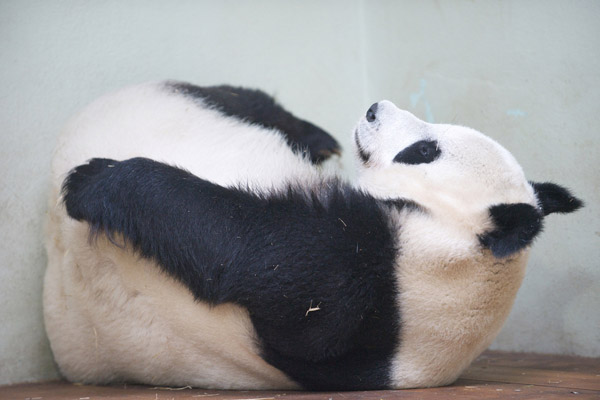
(421, 152)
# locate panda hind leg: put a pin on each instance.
(257, 107)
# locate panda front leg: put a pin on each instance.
(157, 210)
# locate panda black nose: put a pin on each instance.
(371, 113)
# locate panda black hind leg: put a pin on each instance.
(257, 107)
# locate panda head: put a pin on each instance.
(456, 174)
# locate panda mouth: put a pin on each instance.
(364, 155)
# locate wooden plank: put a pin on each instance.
(532, 369)
(539, 361)
(530, 376)
(494, 375)
(462, 390)
(493, 390)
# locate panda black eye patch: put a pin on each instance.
(421, 152)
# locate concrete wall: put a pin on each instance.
(526, 73)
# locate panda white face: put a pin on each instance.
(446, 168)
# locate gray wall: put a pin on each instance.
(526, 73)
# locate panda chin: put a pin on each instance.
(362, 153)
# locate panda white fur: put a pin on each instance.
(283, 277)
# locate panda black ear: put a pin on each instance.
(515, 227)
(554, 198)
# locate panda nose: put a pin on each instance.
(371, 113)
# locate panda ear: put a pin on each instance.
(515, 227)
(554, 198)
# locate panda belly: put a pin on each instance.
(160, 334)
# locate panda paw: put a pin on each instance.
(321, 148)
(315, 142)
(85, 189)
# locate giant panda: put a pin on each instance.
(398, 280)
(229, 135)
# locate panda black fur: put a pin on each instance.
(384, 284)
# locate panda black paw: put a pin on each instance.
(322, 148)
(85, 189)
(318, 144)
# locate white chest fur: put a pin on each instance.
(452, 303)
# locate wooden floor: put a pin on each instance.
(494, 375)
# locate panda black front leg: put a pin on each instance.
(157, 209)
